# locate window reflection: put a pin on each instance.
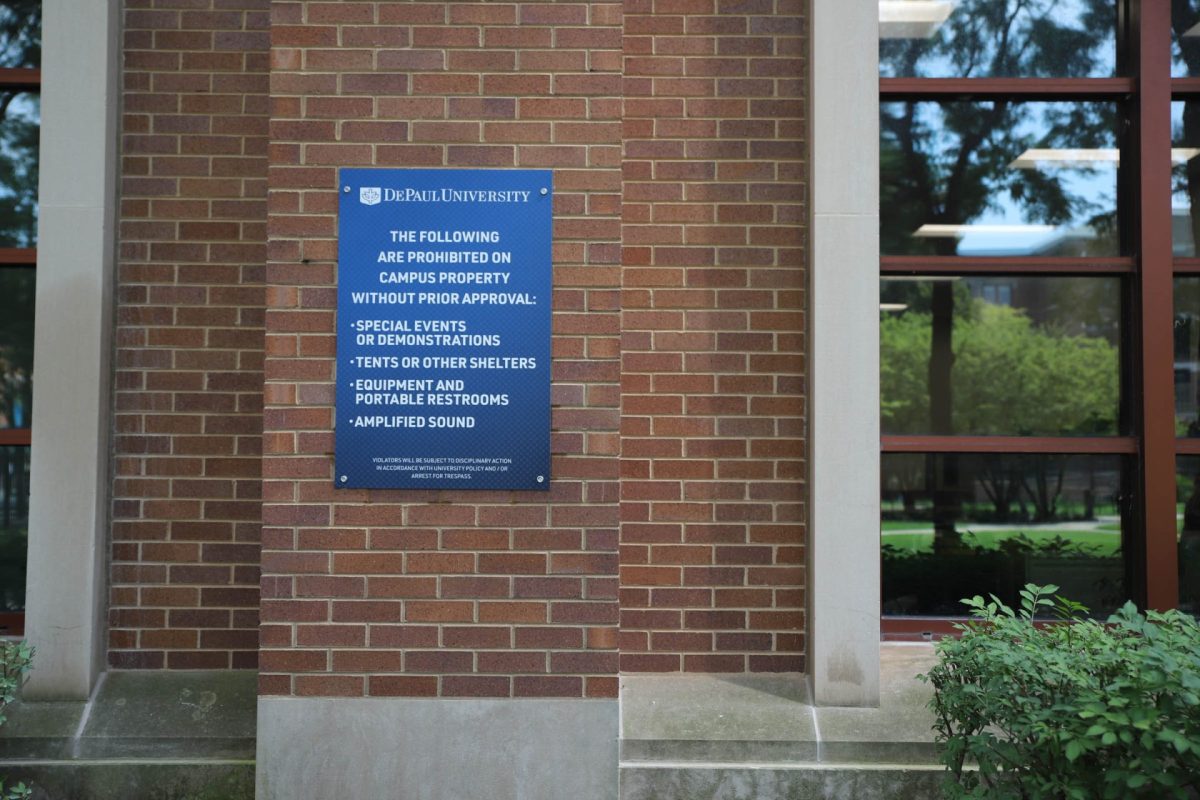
(20, 119)
(955, 526)
(997, 38)
(999, 178)
(1001, 355)
(1185, 38)
(16, 346)
(21, 33)
(1185, 177)
(14, 525)
(1187, 513)
(1187, 356)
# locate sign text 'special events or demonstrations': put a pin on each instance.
(443, 329)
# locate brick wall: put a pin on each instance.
(675, 132)
(186, 491)
(442, 593)
(712, 425)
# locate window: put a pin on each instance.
(20, 81)
(1031, 153)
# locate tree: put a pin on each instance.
(1009, 376)
(951, 163)
(20, 46)
(1184, 16)
(1013, 377)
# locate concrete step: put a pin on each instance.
(142, 736)
(799, 781)
(758, 737)
(120, 779)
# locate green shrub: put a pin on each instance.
(18, 792)
(1078, 710)
(15, 660)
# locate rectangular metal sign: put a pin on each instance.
(443, 329)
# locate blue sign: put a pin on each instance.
(443, 329)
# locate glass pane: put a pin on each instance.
(14, 525)
(1185, 177)
(999, 178)
(21, 33)
(955, 526)
(997, 38)
(1187, 356)
(19, 123)
(16, 346)
(1000, 355)
(1185, 38)
(1187, 512)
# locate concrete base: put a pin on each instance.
(138, 780)
(142, 736)
(450, 749)
(759, 737)
(139, 715)
(802, 782)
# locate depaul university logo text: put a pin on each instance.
(443, 195)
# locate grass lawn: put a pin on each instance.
(1099, 542)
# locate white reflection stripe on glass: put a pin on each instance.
(1192, 32)
(897, 307)
(1035, 157)
(912, 19)
(932, 231)
(921, 278)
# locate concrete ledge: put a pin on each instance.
(900, 731)
(436, 749)
(728, 718)
(137, 715)
(125, 780)
(802, 782)
(769, 719)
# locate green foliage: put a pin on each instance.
(931, 582)
(15, 661)
(1073, 711)
(1009, 375)
(19, 791)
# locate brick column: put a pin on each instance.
(713, 368)
(186, 503)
